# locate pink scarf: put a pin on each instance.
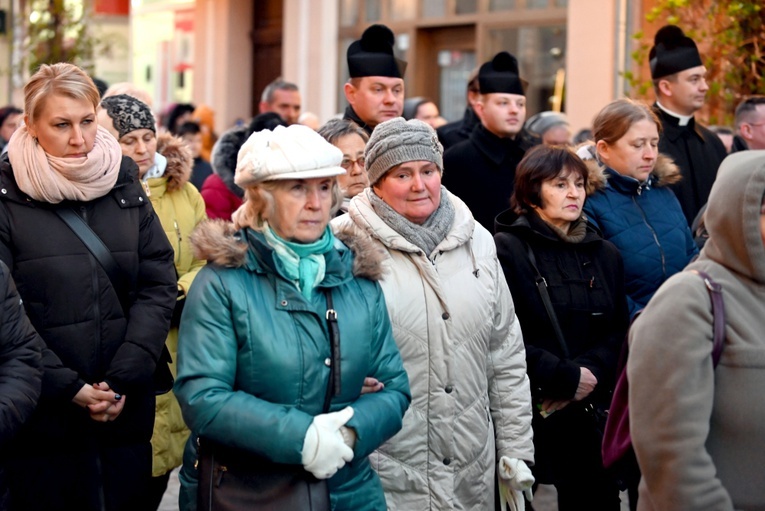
(50, 179)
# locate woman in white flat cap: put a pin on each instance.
(261, 378)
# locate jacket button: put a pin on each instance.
(122, 201)
(4, 190)
(447, 461)
(327, 361)
(445, 315)
(140, 199)
(284, 303)
(448, 389)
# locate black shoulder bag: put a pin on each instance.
(233, 480)
(163, 378)
(596, 414)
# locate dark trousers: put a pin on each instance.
(81, 477)
(567, 446)
(156, 490)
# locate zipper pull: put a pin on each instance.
(177, 230)
(592, 282)
(222, 469)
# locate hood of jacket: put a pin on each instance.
(219, 242)
(733, 216)
(530, 224)
(665, 173)
(179, 160)
(225, 154)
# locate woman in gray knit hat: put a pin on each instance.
(454, 322)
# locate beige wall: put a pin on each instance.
(591, 58)
(223, 59)
(309, 53)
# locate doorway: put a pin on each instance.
(445, 56)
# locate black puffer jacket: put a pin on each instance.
(20, 368)
(79, 315)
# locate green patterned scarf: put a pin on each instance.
(302, 263)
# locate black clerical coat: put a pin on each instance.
(698, 152)
(481, 172)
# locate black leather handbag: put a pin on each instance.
(235, 480)
(163, 378)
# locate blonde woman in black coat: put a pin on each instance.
(86, 446)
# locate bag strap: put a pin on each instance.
(718, 312)
(542, 288)
(333, 385)
(95, 245)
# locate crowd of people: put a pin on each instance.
(386, 311)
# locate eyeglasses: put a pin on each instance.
(347, 163)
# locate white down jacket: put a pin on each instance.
(454, 322)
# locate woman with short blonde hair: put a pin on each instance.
(102, 313)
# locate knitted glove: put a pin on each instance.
(515, 479)
(324, 448)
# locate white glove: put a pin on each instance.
(515, 480)
(324, 448)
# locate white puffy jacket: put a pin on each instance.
(454, 322)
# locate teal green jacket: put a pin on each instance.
(252, 352)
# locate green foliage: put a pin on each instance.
(731, 38)
(57, 31)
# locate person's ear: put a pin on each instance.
(665, 87)
(350, 92)
(30, 129)
(603, 150)
(746, 131)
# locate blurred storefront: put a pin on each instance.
(223, 52)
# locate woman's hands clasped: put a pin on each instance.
(103, 404)
(587, 383)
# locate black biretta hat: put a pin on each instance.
(372, 55)
(501, 75)
(672, 52)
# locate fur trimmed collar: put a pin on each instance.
(218, 242)
(665, 173)
(179, 161)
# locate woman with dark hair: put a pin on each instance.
(103, 313)
(423, 109)
(10, 118)
(571, 349)
(177, 115)
(221, 194)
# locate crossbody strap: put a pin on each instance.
(542, 287)
(93, 243)
(718, 313)
(333, 385)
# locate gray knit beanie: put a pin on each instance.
(398, 141)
